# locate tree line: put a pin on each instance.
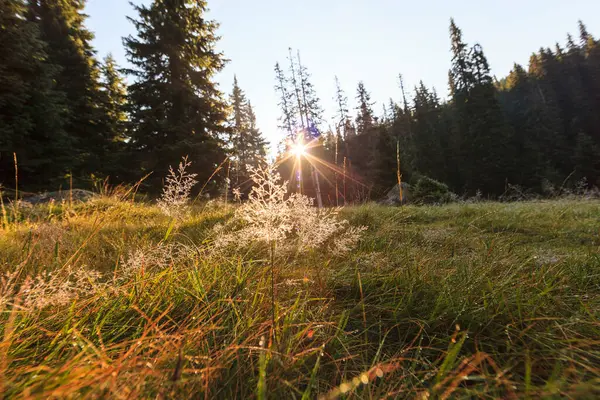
(535, 129)
(67, 115)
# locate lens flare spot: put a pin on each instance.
(298, 150)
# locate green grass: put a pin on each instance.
(482, 300)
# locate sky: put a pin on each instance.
(368, 40)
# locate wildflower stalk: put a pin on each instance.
(176, 193)
(398, 173)
(5, 344)
(4, 213)
(16, 206)
(290, 224)
(272, 262)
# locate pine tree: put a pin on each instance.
(481, 69)
(401, 82)
(237, 118)
(31, 108)
(584, 36)
(393, 109)
(365, 117)
(342, 117)
(569, 85)
(256, 145)
(404, 120)
(310, 102)
(342, 103)
(428, 138)
(394, 131)
(461, 73)
(592, 65)
(547, 103)
(537, 136)
(482, 134)
(295, 91)
(363, 147)
(288, 118)
(115, 95)
(490, 137)
(176, 108)
(62, 26)
(18, 44)
(114, 92)
(300, 97)
(246, 144)
(385, 115)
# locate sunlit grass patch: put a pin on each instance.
(465, 300)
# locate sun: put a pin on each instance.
(298, 150)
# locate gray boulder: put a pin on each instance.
(392, 198)
(78, 195)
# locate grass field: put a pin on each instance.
(466, 300)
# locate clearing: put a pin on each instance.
(464, 300)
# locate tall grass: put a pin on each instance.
(478, 300)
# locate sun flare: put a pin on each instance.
(298, 150)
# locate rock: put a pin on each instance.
(75, 194)
(392, 198)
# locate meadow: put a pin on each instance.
(111, 298)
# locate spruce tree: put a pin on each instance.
(393, 109)
(584, 36)
(404, 101)
(176, 107)
(114, 91)
(310, 102)
(31, 107)
(115, 97)
(428, 137)
(558, 147)
(592, 64)
(489, 136)
(363, 147)
(295, 90)
(62, 27)
(365, 117)
(303, 100)
(247, 147)
(484, 153)
(255, 151)
(342, 116)
(288, 120)
(536, 131)
(461, 73)
(237, 117)
(460, 80)
(341, 102)
(392, 132)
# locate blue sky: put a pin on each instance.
(368, 40)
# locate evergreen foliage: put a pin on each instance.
(114, 91)
(247, 147)
(62, 28)
(288, 120)
(175, 107)
(32, 107)
(533, 127)
(65, 114)
(365, 118)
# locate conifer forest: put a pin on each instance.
(68, 115)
